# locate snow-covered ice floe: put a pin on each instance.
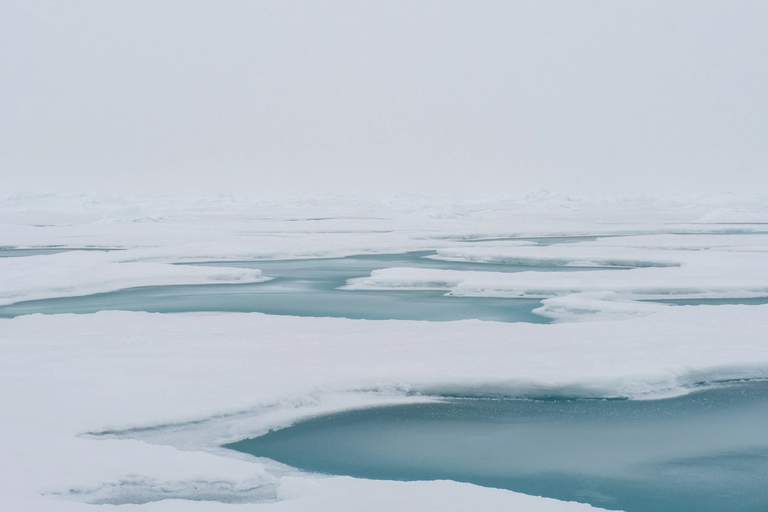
(220, 377)
(130, 409)
(81, 273)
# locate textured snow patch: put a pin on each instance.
(135, 489)
(595, 306)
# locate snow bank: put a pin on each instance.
(68, 274)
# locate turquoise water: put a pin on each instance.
(336, 271)
(283, 297)
(704, 452)
(308, 288)
(11, 252)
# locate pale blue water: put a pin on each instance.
(308, 288)
(11, 252)
(282, 297)
(704, 452)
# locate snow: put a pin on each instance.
(71, 273)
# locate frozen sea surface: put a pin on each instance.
(199, 381)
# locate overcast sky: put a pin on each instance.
(472, 97)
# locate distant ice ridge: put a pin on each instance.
(261, 225)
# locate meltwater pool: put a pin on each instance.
(703, 452)
(309, 287)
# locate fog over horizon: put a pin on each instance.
(360, 97)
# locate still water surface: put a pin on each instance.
(309, 288)
(703, 452)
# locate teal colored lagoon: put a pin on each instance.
(16, 252)
(308, 288)
(286, 298)
(335, 271)
(703, 452)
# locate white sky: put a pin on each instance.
(359, 96)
